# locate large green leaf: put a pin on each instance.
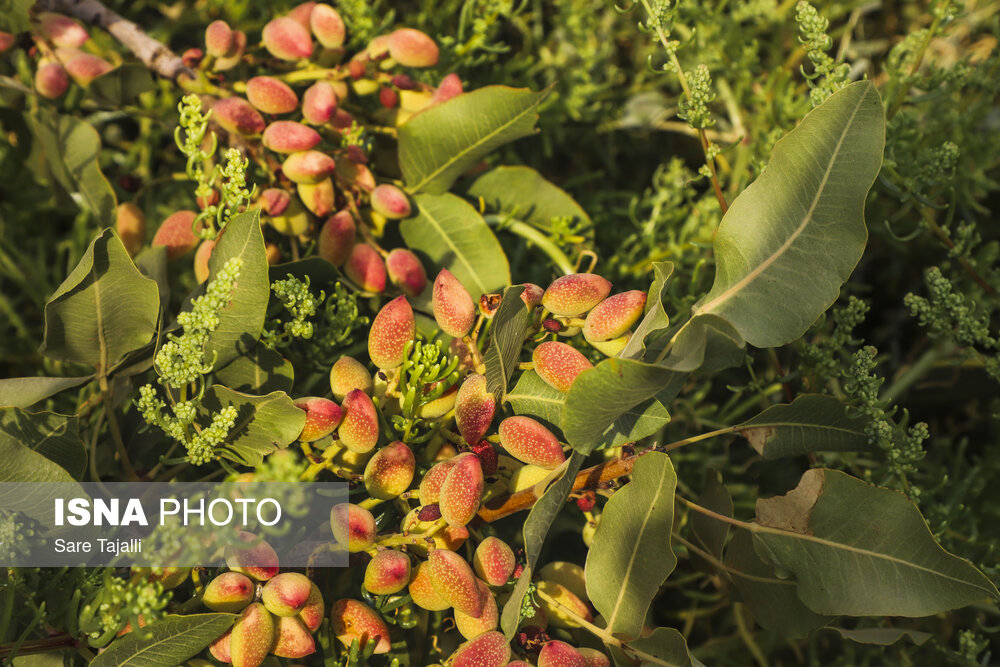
(523, 193)
(640, 422)
(510, 323)
(631, 556)
(861, 550)
(810, 423)
(56, 437)
(664, 648)
(21, 463)
(259, 371)
(70, 148)
(103, 310)
(165, 643)
(25, 392)
(15, 15)
(772, 600)
(536, 527)
(264, 424)
(602, 395)
(705, 342)
(882, 636)
(656, 320)
(792, 238)
(534, 397)
(438, 145)
(242, 320)
(453, 235)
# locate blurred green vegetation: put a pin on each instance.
(610, 135)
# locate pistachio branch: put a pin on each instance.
(586, 480)
(151, 52)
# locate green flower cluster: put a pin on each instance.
(229, 179)
(117, 602)
(180, 362)
(828, 75)
(948, 315)
(693, 107)
(296, 298)
(903, 445)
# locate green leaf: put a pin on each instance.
(70, 148)
(49, 659)
(264, 424)
(665, 647)
(166, 643)
(122, 85)
(438, 145)
(810, 423)
(21, 463)
(709, 532)
(706, 343)
(259, 371)
(14, 15)
(103, 310)
(882, 636)
(453, 235)
(523, 193)
(631, 556)
(510, 323)
(640, 422)
(861, 550)
(25, 392)
(152, 262)
(602, 395)
(534, 397)
(56, 437)
(773, 601)
(241, 322)
(655, 322)
(543, 513)
(792, 238)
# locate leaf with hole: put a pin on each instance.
(861, 550)
(810, 423)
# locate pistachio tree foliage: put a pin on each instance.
(346, 276)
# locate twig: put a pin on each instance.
(151, 52)
(588, 479)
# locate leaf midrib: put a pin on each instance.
(763, 266)
(760, 528)
(745, 426)
(458, 255)
(455, 158)
(167, 638)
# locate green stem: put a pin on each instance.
(912, 374)
(748, 640)
(604, 635)
(529, 233)
(116, 433)
(697, 438)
